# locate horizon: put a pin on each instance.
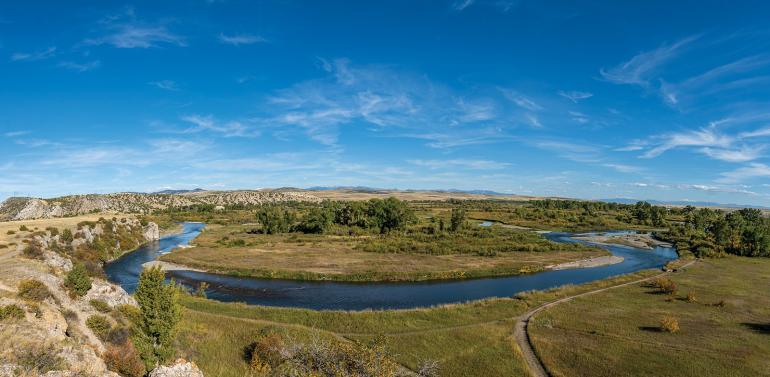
(582, 101)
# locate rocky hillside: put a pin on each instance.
(35, 208)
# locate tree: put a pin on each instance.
(78, 280)
(160, 314)
(457, 220)
(274, 220)
(389, 214)
(317, 220)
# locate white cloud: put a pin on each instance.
(241, 39)
(742, 154)
(533, 121)
(640, 69)
(575, 96)
(460, 5)
(125, 31)
(228, 129)
(463, 163)
(753, 170)
(705, 137)
(15, 133)
(579, 117)
(32, 56)
(623, 168)
(165, 85)
(520, 100)
(81, 67)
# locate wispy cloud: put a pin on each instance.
(624, 168)
(753, 170)
(520, 100)
(165, 85)
(461, 5)
(227, 129)
(81, 67)
(579, 117)
(575, 96)
(241, 39)
(640, 69)
(462, 163)
(33, 56)
(11, 134)
(123, 30)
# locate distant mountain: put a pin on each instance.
(682, 203)
(373, 189)
(174, 192)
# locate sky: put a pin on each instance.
(587, 99)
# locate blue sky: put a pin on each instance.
(648, 99)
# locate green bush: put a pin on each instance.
(33, 250)
(23, 228)
(10, 232)
(100, 306)
(160, 314)
(35, 290)
(100, 325)
(11, 312)
(77, 280)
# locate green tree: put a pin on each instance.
(274, 220)
(457, 220)
(78, 280)
(160, 314)
(317, 220)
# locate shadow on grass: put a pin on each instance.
(650, 328)
(762, 328)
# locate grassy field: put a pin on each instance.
(617, 332)
(232, 250)
(471, 339)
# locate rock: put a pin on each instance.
(181, 368)
(57, 261)
(151, 232)
(112, 294)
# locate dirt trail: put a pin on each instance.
(536, 367)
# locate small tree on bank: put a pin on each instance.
(160, 314)
(457, 220)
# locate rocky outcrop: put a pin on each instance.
(181, 368)
(34, 208)
(151, 232)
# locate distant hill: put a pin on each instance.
(178, 191)
(681, 203)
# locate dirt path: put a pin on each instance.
(536, 367)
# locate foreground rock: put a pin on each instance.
(181, 368)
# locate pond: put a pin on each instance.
(378, 295)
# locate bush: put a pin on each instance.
(100, 306)
(664, 285)
(23, 228)
(77, 280)
(37, 359)
(691, 297)
(266, 352)
(669, 324)
(33, 250)
(11, 312)
(100, 325)
(10, 232)
(124, 359)
(160, 314)
(66, 235)
(35, 290)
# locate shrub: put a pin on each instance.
(77, 280)
(200, 291)
(10, 232)
(160, 314)
(100, 306)
(100, 325)
(38, 359)
(118, 335)
(669, 324)
(33, 250)
(124, 359)
(691, 297)
(35, 309)
(267, 350)
(664, 285)
(23, 228)
(35, 290)
(66, 235)
(53, 230)
(11, 312)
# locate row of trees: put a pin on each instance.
(707, 232)
(380, 215)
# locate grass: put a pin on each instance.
(620, 330)
(470, 339)
(232, 250)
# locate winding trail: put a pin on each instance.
(535, 365)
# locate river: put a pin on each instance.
(379, 295)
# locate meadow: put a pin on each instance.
(722, 307)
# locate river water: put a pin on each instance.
(359, 296)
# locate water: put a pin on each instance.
(359, 296)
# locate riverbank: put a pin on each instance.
(635, 240)
(588, 263)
